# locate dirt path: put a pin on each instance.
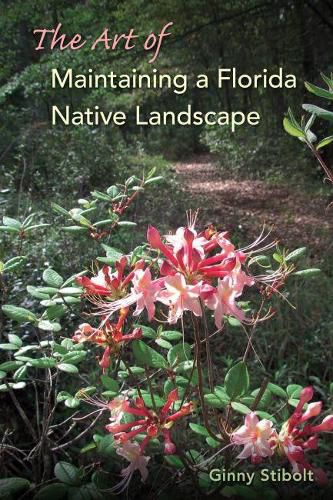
(245, 205)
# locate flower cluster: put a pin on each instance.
(147, 422)
(109, 335)
(260, 439)
(194, 271)
(150, 423)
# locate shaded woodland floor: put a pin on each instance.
(244, 206)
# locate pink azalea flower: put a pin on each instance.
(240, 278)
(256, 436)
(109, 335)
(225, 243)
(150, 423)
(298, 436)
(107, 283)
(145, 291)
(117, 407)
(133, 453)
(179, 241)
(185, 256)
(223, 301)
(180, 297)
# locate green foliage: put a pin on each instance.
(146, 356)
(237, 380)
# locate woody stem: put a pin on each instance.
(200, 379)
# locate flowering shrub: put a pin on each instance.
(155, 318)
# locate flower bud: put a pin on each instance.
(105, 361)
(153, 237)
(325, 426)
(313, 410)
(169, 448)
(306, 395)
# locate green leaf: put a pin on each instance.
(35, 292)
(50, 290)
(68, 368)
(326, 94)
(126, 223)
(112, 253)
(321, 112)
(277, 390)
(296, 254)
(57, 208)
(49, 326)
(221, 393)
(153, 180)
(147, 331)
(325, 142)
(240, 408)
(8, 229)
(43, 363)
(14, 223)
(75, 229)
(19, 385)
(110, 384)
(137, 370)
(328, 81)
(234, 322)
(54, 491)
(265, 399)
(8, 366)
(62, 396)
(56, 311)
(19, 314)
(212, 442)
(20, 374)
(71, 290)
(199, 429)
(8, 347)
(88, 447)
(237, 380)
(2, 375)
(149, 401)
(72, 402)
(174, 461)
(264, 414)
(13, 487)
(74, 358)
(307, 273)
(35, 226)
(14, 263)
(278, 258)
(294, 390)
(112, 191)
(292, 129)
(145, 355)
(105, 444)
(67, 473)
(293, 402)
(76, 215)
(101, 196)
(163, 343)
(179, 353)
(214, 401)
(52, 278)
(171, 335)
